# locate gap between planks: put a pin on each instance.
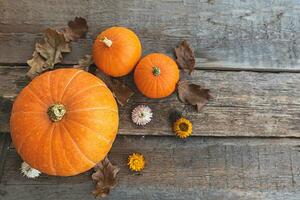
(241, 168)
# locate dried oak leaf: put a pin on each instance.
(76, 29)
(52, 47)
(105, 177)
(48, 52)
(121, 92)
(85, 63)
(193, 94)
(37, 65)
(185, 56)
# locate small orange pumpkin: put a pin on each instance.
(116, 51)
(64, 122)
(156, 75)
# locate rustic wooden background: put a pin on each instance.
(247, 53)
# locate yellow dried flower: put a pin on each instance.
(183, 127)
(136, 162)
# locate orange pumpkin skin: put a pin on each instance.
(116, 51)
(156, 75)
(82, 137)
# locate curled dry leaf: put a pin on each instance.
(121, 91)
(76, 29)
(48, 52)
(193, 94)
(105, 177)
(37, 65)
(85, 63)
(52, 47)
(185, 56)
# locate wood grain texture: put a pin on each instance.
(196, 168)
(4, 146)
(244, 104)
(249, 35)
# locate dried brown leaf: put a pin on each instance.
(121, 91)
(193, 94)
(36, 63)
(52, 47)
(48, 52)
(76, 29)
(105, 177)
(185, 56)
(85, 63)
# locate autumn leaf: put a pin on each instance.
(49, 51)
(37, 65)
(76, 29)
(105, 177)
(193, 94)
(185, 56)
(52, 47)
(85, 63)
(121, 91)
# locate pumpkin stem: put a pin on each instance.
(156, 71)
(56, 112)
(106, 41)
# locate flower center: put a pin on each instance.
(183, 126)
(136, 162)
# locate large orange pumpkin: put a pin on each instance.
(64, 122)
(156, 75)
(116, 51)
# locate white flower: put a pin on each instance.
(28, 171)
(141, 115)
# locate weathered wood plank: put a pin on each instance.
(196, 168)
(4, 147)
(244, 104)
(260, 35)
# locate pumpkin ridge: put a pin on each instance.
(41, 147)
(77, 146)
(71, 79)
(49, 85)
(37, 146)
(97, 135)
(84, 90)
(34, 94)
(24, 139)
(51, 151)
(162, 78)
(95, 108)
(160, 87)
(63, 152)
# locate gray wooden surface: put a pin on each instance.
(196, 168)
(244, 104)
(247, 53)
(235, 34)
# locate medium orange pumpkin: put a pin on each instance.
(64, 122)
(156, 75)
(116, 51)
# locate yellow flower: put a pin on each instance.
(183, 127)
(136, 162)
